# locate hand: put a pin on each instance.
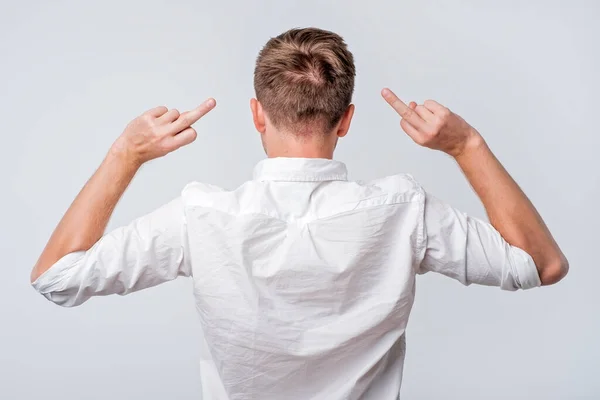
(433, 125)
(159, 131)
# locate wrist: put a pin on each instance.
(122, 154)
(473, 144)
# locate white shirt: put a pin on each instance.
(303, 280)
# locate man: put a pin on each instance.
(303, 280)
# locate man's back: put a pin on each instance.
(304, 284)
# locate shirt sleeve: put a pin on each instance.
(151, 250)
(472, 251)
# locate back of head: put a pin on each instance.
(304, 80)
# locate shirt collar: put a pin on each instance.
(300, 170)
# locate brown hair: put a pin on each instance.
(304, 78)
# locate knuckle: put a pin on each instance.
(421, 140)
(407, 113)
(157, 130)
(186, 119)
(440, 121)
(163, 148)
(147, 121)
(433, 130)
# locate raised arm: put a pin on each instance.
(509, 210)
(151, 135)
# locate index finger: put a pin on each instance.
(402, 109)
(188, 118)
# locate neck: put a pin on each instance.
(301, 153)
(312, 147)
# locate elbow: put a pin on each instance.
(64, 300)
(35, 274)
(37, 271)
(554, 271)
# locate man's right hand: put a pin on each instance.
(158, 132)
(433, 125)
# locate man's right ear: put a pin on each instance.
(258, 116)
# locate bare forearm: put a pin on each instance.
(151, 135)
(85, 221)
(510, 211)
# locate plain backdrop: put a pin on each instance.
(73, 73)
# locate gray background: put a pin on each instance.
(73, 73)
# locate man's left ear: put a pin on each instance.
(344, 124)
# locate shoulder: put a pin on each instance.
(194, 189)
(205, 195)
(402, 186)
(202, 194)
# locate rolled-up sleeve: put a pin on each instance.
(472, 251)
(149, 251)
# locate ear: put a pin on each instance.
(344, 124)
(258, 116)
